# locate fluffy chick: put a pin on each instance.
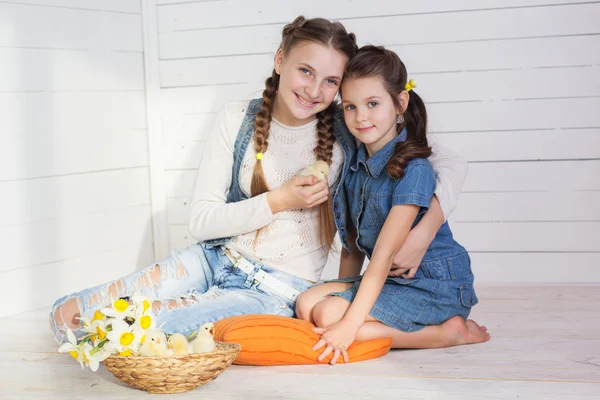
(154, 345)
(204, 342)
(319, 168)
(179, 344)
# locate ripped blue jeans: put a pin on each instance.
(191, 287)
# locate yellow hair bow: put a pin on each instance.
(259, 156)
(410, 85)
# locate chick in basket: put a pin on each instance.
(154, 345)
(179, 344)
(204, 342)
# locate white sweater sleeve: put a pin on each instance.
(450, 173)
(210, 216)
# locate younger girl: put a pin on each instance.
(388, 190)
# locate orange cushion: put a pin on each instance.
(275, 340)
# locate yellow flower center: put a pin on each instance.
(126, 338)
(146, 305)
(98, 316)
(100, 332)
(145, 322)
(120, 305)
(143, 339)
(125, 353)
(74, 354)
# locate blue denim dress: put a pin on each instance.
(443, 285)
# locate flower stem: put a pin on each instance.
(98, 347)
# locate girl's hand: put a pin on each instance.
(337, 337)
(298, 192)
(410, 255)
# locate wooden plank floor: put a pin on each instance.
(545, 345)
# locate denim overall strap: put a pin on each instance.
(239, 150)
(348, 143)
(241, 145)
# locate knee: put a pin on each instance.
(303, 306)
(67, 313)
(327, 312)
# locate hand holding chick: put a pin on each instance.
(319, 169)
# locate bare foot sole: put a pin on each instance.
(460, 332)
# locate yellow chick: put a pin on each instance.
(204, 342)
(319, 168)
(154, 345)
(179, 344)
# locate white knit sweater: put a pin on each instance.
(290, 241)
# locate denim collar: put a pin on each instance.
(376, 163)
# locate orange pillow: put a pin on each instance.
(276, 340)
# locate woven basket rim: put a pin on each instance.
(229, 348)
(186, 372)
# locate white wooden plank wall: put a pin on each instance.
(514, 86)
(75, 203)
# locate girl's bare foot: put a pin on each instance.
(460, 332)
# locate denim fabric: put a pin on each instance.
(208, 283)
(439, 291)
(371, 194)
(443, 284)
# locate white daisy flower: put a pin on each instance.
(144, 322)
(143, 304)
(72, 348)
(120, 310)
(95, 326)
(123, 338)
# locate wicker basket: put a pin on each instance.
(174, 374)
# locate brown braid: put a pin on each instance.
(262, 127)
(324, 151)
(289, 29)
(352, 37)
(262, 124)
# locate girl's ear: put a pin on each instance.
(403, 99)
(278, 61)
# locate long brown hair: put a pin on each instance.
(371, 61)
(326, 33)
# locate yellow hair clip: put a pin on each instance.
(259, 156)
(410, 85)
